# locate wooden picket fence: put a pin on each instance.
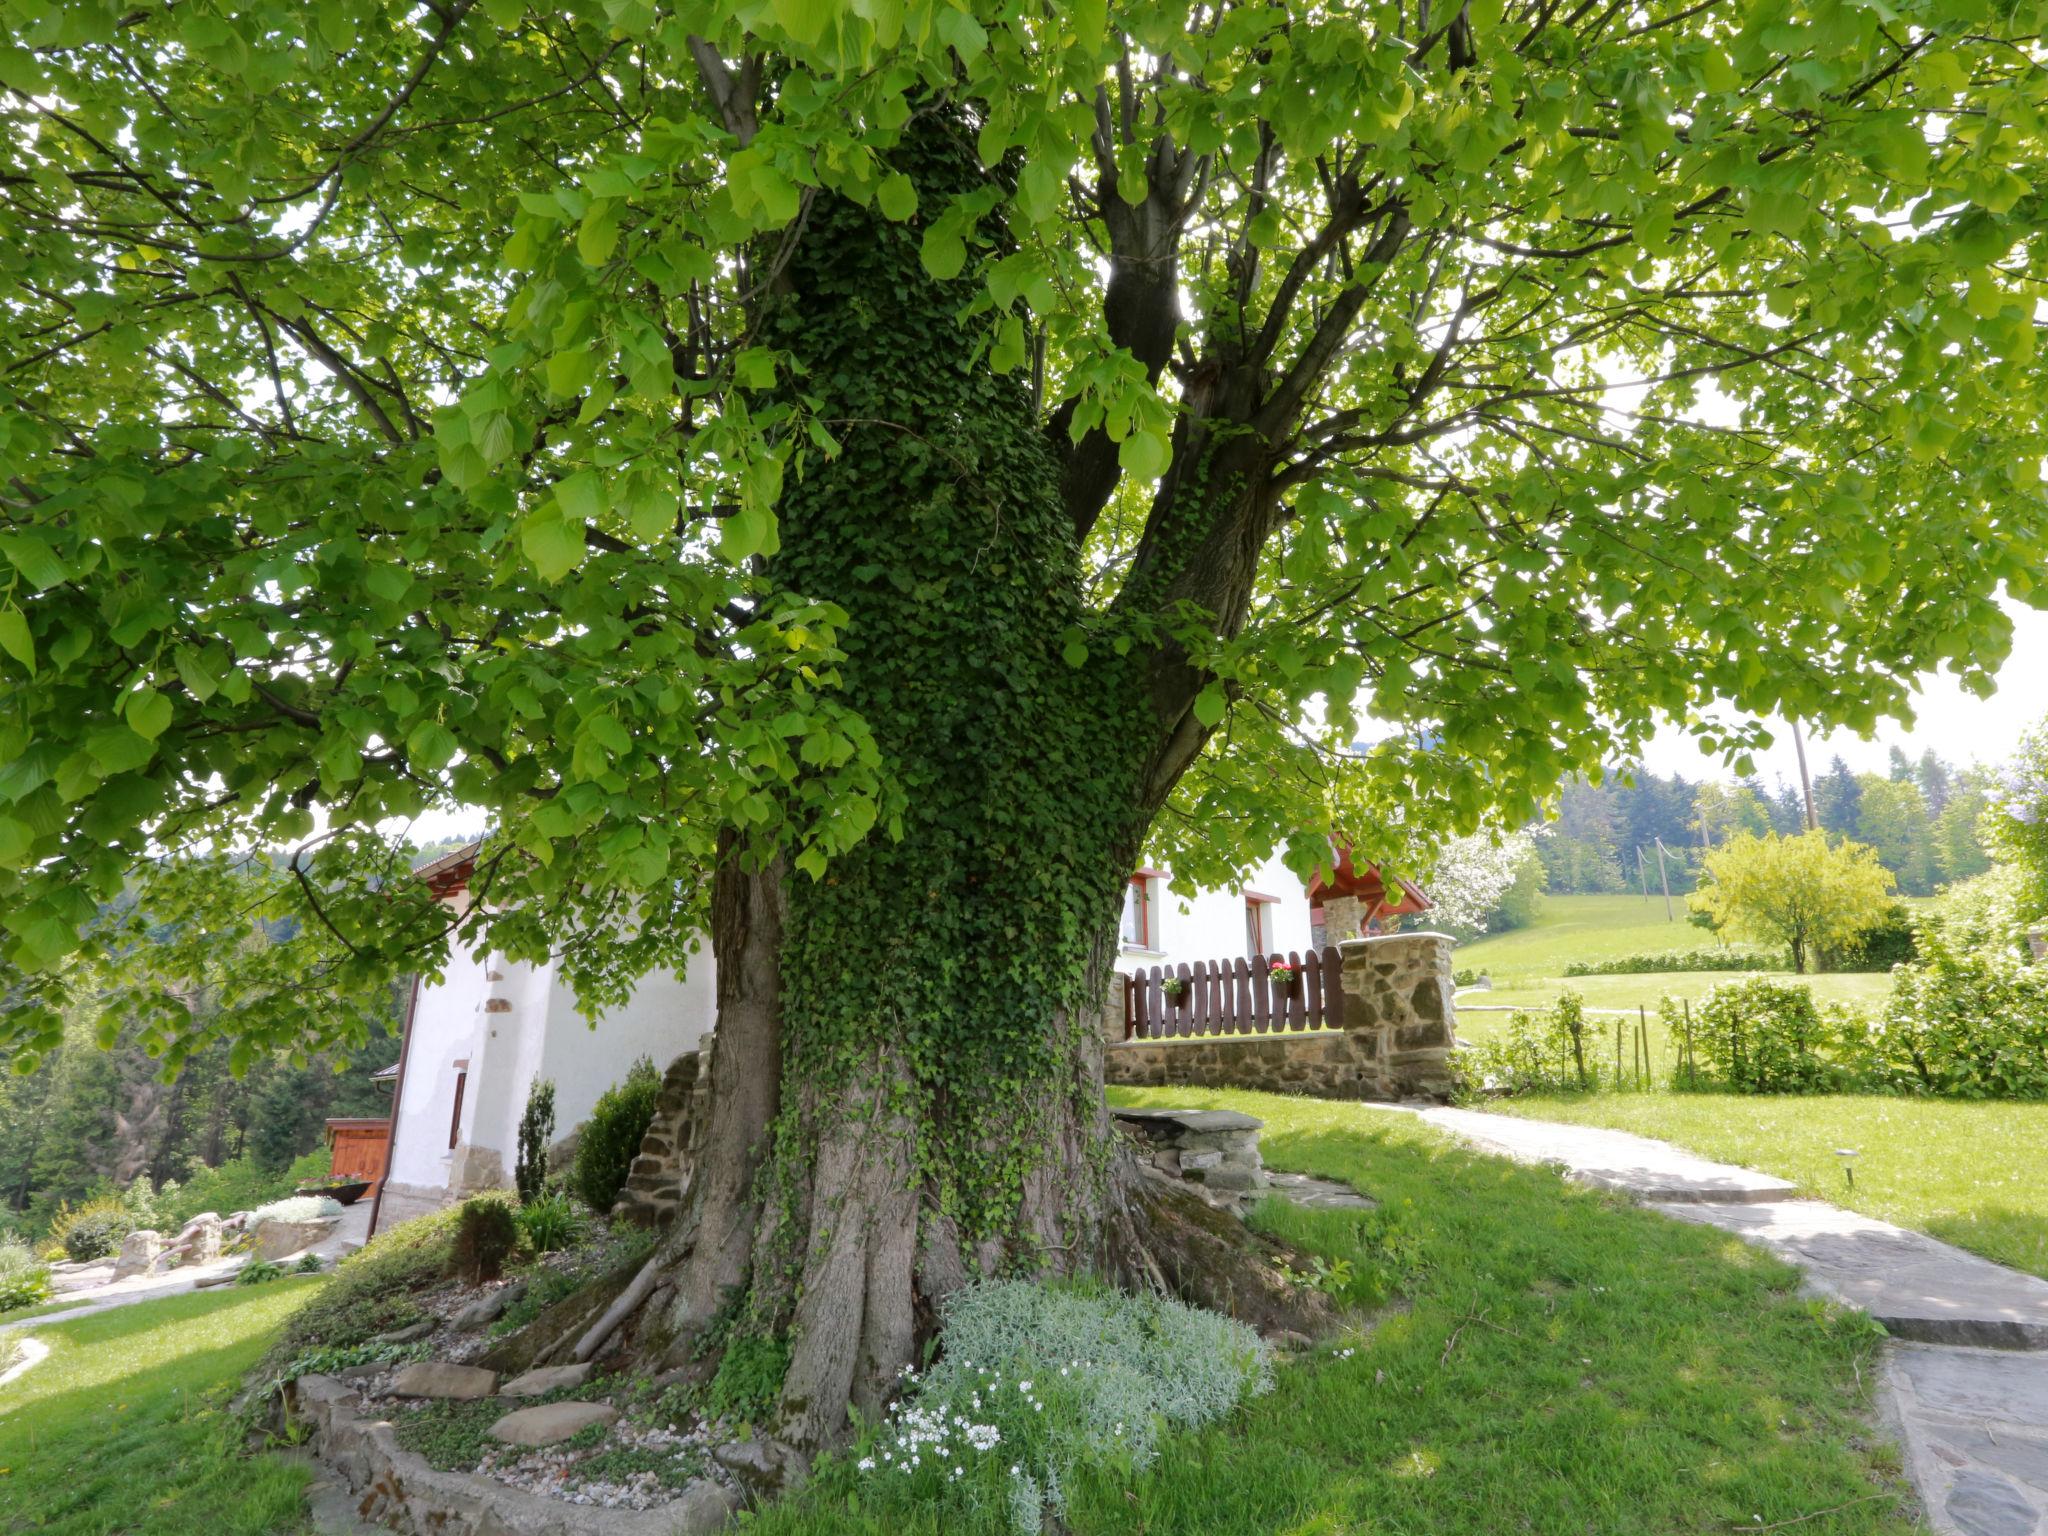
(1235, 997)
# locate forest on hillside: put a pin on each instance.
(1920, 815)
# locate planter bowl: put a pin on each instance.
(341, 1194)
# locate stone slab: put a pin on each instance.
(1974, 1427)
(437, 1378)
(1631, 1165)
(1918, 1287)
(1194, 1119)
(1318, 1194)
(551, 1423)
(547, 1378)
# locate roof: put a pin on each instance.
(1371, 888)
(447, 875)
(385, 1074)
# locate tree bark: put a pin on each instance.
(906, 1084)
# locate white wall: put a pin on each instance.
(666, 1015)
(444, 1027)
(1209, 925)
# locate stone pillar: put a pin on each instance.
(1399, 1012)
(1113, 1009)
(1343, 918)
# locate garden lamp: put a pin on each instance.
(1848, 1157)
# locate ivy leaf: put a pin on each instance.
(15, 638)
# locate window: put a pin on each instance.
(1141, 911)
(455, 1120)
(1258, 924)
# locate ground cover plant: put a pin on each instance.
(1973, 1174)
(24, 1278)
(1561, 1365)
(124, 1427)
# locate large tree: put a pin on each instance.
(847, 478)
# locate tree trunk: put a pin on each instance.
(906, 1088)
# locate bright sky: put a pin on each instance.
(1957, 725)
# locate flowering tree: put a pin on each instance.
(1473, 875)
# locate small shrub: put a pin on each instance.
(549, 1222)
(259, 1272)
(24, 1279)
(93, 1230)
(1037, 1383)
(309, 1264)
(749, 1379)
(1970, 1024)
(1550, 1052)
(543, 1290)
(1765, 1036)
(611, 1137)
(486, 1233)
(536, 1130)
(1727, 957)
(1888, 942)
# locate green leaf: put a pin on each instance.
(429, 746)
(943, 253)
(552, 542)
(804, 20)
(31, 554)
(148, 713)
(743, 534)
(897, 197)
(1144, 455)
(194, 673)
(598, 236)
(15, 638)
(1210, 705)
(581, 496)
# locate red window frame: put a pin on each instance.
(1147, 936)
(1258, 936)
(455, 1120)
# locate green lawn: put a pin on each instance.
(1975, 1175)
(1527, 965)
(123, 1429)
(1563, 1365)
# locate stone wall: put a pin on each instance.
(1399, 1028)
(654, 1186)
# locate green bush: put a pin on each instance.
(549, 1222)
(536, 1130)
(236, 1185)
(1766, 1036)
(1727, 957)
(24, 1279)
(259, 1272)
(371, 1292)
(611, 1137)
(1888, 942)
(1969, 1024)
(749, 1379)
(1549, 1052)
(486, 1234)
(92, 1230)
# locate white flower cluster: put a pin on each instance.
(1055, 1377)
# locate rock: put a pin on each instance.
(764, 1467)
(546, 1379)
(353, 1373)
(551, 1423)
(487, 1309)
(225, 1277)
(281, 1239)
(437, 1378)
(198, 1241)
(411, 1333)
(139, 1253)
(1235, 1179)
(1287, 1338)
(1190, 1161)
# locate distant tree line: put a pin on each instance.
(1920, 816)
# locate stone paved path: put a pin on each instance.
(1966, 1377)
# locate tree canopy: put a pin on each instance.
(387, 424)
(1806, 892)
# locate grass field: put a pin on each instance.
(1975, 1175)
(1527, 965)
(1563, 1365)
(123, 1427)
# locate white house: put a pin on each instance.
(478, 1039)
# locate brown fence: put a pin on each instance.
(1235, 997)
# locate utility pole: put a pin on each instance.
(1805, 778)
(1642, 873)
(1664, 880)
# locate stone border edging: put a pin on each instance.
(33, 1352)
(396, 1488)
